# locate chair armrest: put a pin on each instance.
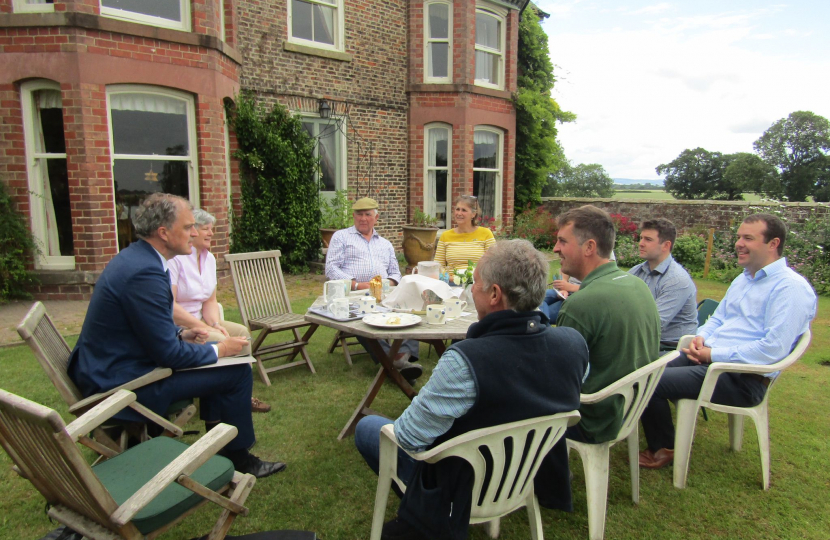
(99, 414)
(190, 460)
(684, 342)
(614, 388)
(155, 375)
(716, 369)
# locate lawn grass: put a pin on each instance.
(328, 489)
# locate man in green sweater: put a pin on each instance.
(613, 310)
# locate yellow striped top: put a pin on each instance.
(456, 249)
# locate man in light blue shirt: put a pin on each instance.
(764, 312)
(670, 285)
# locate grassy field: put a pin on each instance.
(660, 195)
(328, 489)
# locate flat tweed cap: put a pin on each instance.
(365, 204)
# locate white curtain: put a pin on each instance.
(154, 103)
(488, 34)
(439, 21)
(436, 135)
(323, 24)
(46, 99)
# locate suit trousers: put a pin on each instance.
(683, 379)
(224, 396)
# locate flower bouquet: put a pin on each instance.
(464, 277)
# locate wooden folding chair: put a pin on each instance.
(264, 305)
(342, 339)
(139, 493)
(52, 352)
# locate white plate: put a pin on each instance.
(380, 320)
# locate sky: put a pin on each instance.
(648, 80)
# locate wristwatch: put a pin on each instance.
(179, 331)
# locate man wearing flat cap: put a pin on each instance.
(359, 253)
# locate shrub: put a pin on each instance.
(625, 226)
(16, 243)
(280, 196)
(537, 226)
(627, 252)
(690, 251)
(336, 212)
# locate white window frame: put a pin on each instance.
(21, 6)
(339, 126)
(222, 34)
(429, 197)
(499, 170)
(428, 40)
(193, 142)
(132, 16)
(500, 14)
(38, 212)
(339, 27)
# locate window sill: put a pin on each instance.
(314, 51)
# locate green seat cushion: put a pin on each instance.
(126, 473)
(177, 406)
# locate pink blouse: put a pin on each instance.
(193, 288)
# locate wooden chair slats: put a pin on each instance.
(263, 302)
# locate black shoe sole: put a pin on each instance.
(411, 372)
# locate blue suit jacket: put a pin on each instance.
(129, 330)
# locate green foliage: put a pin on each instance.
(16, 243)
(626, 247)
(584, 180)
(280, 205)
(422, 219)
(748, 172)
(336, 212)
(698, 174)
(537, 226)
(797, 146)
(690, 251)
(538, 153)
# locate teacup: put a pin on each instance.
(339, 307)
(436, 314)
(386, 286)
(366, 304)
(454, 306)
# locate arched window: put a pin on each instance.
(490, 47)
(438, 42)
(487, 169)
(42, 109)
(437, 175)
(153, 148)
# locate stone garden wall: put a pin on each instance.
(688, 215)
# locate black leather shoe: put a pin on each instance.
(400, 530)
(260, 469)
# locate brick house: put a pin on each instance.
(104, 101)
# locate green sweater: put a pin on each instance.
(618, 318)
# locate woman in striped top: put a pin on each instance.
(466, 241)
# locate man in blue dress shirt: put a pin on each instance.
(670, 285)
(764, 312)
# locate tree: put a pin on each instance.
(584, 180)
(797, 146)
(748, 172)
(697, 174)
(538, 153)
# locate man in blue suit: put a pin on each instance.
(129, 331)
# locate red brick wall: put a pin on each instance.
(84, 62)
(372, 83)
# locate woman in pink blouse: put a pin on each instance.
(193, 281)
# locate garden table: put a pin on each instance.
(428, 333)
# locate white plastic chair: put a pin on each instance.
(520, 472)
(636, 388)
(687, 410)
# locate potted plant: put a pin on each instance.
(336, 214)
(419, 239)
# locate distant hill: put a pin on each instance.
(626, 181)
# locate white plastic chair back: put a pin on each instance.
(504, 458)
(636, 388)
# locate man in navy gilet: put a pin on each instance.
(512, 366)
